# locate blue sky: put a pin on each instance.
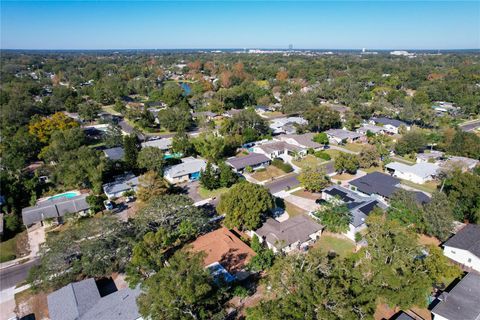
(247, 24)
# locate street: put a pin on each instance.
(283, 183)
(470, 126)
(11, 276)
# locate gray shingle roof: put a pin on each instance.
(343, 134)
(121, 184)
(82, 301)
(114, 154)
(188, 166)
(304, 140)
(467, 239)
(376, 183)
(54, 208)
(271, 147)
(463, 301)
(282, 234)
(163, 143)
(422, 170)
(253, 159)
(384, 121)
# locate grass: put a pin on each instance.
(343, 176)
(333, 153)
(206, 194)
(109, 109)
(306, 194)
(308, 161)
(342, 247)
(269, 114)
(404, 160)
(355, 147)
(372, 169)
(429, 186)
(13, 248)
(269, 173)
(293, 210)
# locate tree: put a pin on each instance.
(210, 146)
(95, 202)
(411, 142)
(181, 144)
(44, 127)
(321, 138)
(175, 119)
(438, 216)
(322, 118)
(209, 178)
(151, 185)
(466, 144)
(463, 191)
(264, 257)
(172, 94)
(152, 159)
(335, 217)
(130, 146)
(227, 176)
(183, 289)
(314, 179)
(62, 142)
(369, 157)
(88, 111)
(113, 136)
(244, 205)
(346, 162)
(405, 209)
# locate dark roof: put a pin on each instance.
(366, 209)
(393, 122)
(114, 154)
(82, 301)
(252, 159)
(339, 193)
(376, 183)
(54, 208)
(463, 301)
(467, 238)
(402, 316)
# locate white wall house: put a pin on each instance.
(417, 173)
(280, 149)
(188, 170)
(464, 247)
(391, 126)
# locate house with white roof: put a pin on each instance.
(417, 173)
(189, 170)
(121, 184)
(301, 140)
(163, 144)
(339, 136)
(280, 149)
(286, 125)
(366, 127)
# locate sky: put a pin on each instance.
(247, 24)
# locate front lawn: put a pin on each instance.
(372, 169)
(333, 153)
(308, 161)
(293, 210)
(341, 246)
(206, 194)
(14, 248)
(307, 194)
(344, 176)
(267, 174)
(429, 186)
(355, 147)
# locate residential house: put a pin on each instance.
(253, 160)
(279, 149)
(55, 208)
(121, 184)
(127, 129)
(164, 144)
(462, 302)
(441, 108)
(230, 113)
(429, 157)
(464, 247)
(366, 128)
(205, 114)
(382, 186)
(83, 301)
(340, 136)
(287, 124)
(391, 126)
(114, 154)
(223, 247)
(360, 206)
(304, 141)
(462, 163)
(417, 173)
(296, 233)
(188, 170)
(262, 109)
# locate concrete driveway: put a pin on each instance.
(308, 205)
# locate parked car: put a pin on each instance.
(129, 199)
(108, 204)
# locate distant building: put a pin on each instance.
(188, 170)
(417, 173)
(121, 184)
(164, 144)
(82, 301)
(391, 126)
(464, 247)
(339, 136)
(365, 128)
(286, 125)
(462, 302)
(296, 233)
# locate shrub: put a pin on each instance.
(285, 167)
(323, 155)
(248, 169)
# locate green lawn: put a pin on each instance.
(429, 186)
(355, 147)
(333, 153)
(404, 160)
(342, 247)
(308, 161)
(269, 173)
(109, 109)
(8, 250)
(204, 193)
(293, 210)
(372, 169)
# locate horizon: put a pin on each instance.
(230, 25)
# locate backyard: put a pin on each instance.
(330, 242)
(267, 174)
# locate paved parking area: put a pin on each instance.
(308, 205)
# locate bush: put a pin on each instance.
(248, 169)
(358, 237)
(285, 167)
(240, 291)
(323, 155)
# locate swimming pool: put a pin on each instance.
(172, 155)
(66, 195)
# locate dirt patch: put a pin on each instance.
(242, 304)
(22, 247)
(307, 194)
(426, 240)
(29, 302)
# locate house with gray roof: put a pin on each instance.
(114, 154)
(464, 247)
(82, 301)
(462, 302)
(304, 141)
(296, 233)
(55, 209)
(339, 136)
(286, 124)
(365, 128)
(417, 173)
(391, 125)
(164, 144)
(121, 184)
(280, 149)
(253, 160)
(189, 170)
(429, 156)
(359, 206)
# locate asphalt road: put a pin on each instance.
(470, 126)
(11, 276)
(283, 183)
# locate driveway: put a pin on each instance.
(191, 189)
(470, 126)
(308, 205)
(280, 184)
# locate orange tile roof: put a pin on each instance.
(224, 247)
